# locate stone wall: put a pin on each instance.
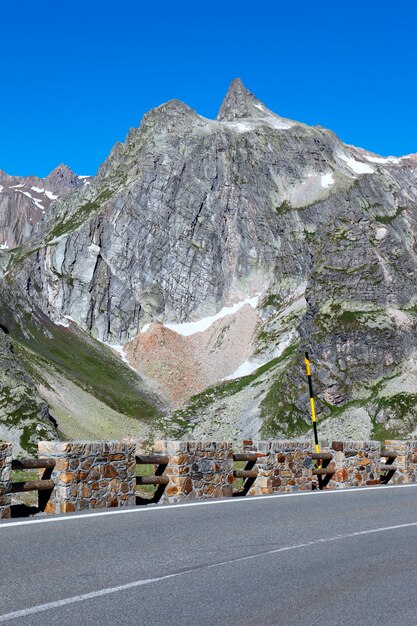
(284, 466)
(5, 479)
(401, 462)
(91, 475)
(411, 462)
(197, 470)
(356, 463)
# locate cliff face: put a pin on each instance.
(191, 216)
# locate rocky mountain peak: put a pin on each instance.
(62, 180)
(241, 103)
(25, 199)
(168, 115)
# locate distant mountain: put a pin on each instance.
(207, 255)
(25, 199)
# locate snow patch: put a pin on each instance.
(241, 127)
(327, 180)
(50, 195)
(4, 246)
(65, 321)
(36, 202)
(248, 125)
(117, 347)
(248, 367)
(356, 166)
(245, 369)
(191, 328)
(38, 190)
(1, 188)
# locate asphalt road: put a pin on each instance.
(347, 557)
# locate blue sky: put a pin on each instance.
(76, 76)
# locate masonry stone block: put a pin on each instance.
(197, 470)
(401, 449)
(412, 462)
(283, 466)
(91, 475)
(5, 479)
(356, 463)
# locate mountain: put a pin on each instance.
(207, 255)
(24, 199)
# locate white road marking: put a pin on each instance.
(152, 508)
(40, 608)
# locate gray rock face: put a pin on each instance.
(25, 199)
(190, 214)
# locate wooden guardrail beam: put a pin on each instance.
(252, 473)
(152, 480)
(323, 471)
(322, 455)
(152, 459)
(19, 464)
(250, 457)
(33, 485)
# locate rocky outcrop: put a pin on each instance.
(191, 215)
(25, 199)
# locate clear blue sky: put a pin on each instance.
(76, 75)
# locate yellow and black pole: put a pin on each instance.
(313, 412)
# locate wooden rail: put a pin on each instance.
(245, 473)
(44, 486)
(152, 480)
(152, 459)
(322, 456)
(157, 479)
(249, 457)
(323, 471)
(249, 473)
(388, 468)
(33, 485)
(20, 464)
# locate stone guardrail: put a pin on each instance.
(91, 475)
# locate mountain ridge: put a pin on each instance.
(190, 216)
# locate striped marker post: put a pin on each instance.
(313, 413)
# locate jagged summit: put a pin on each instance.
(62, 180)
(62, 169)
(240, 103)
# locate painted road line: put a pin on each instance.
(40, 608)
(69, 517)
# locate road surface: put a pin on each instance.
(346, 557)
